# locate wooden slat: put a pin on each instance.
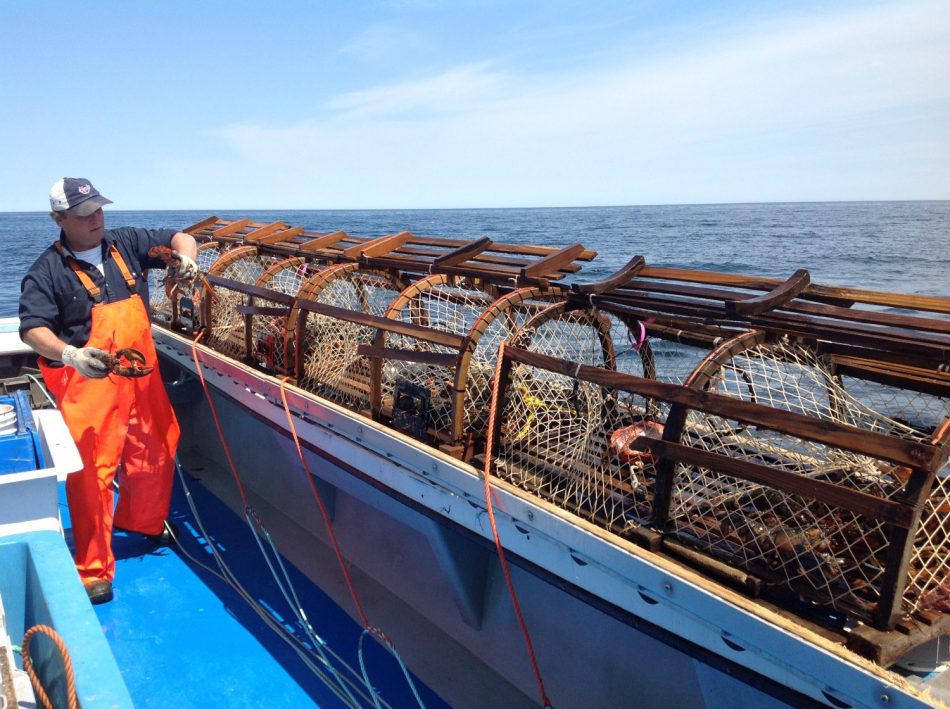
(261, 310)
(198, 226)
(773, 299)
(323, 241)
(896, 513)
(232, 228)
(420, 332)
(259, 234)
(378, 247)
(621, 278)
(280, 236)
(814, 291)
(552, 263)
(461, 254)
(438, 359)
(251, 289)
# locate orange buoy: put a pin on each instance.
(622, 439)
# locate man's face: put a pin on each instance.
(83, 232)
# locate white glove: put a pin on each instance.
(183, 268)
(90, 362)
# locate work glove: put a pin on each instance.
(90, 362)
(183, 268)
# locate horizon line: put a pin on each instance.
(453, 209)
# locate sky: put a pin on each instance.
(293, 104)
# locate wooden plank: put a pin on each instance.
(420, 332)
(889, 448)
(260, 233)
(926, 381)
(886, 647)
(620, 278)
(378, 247)
(282, 236)
(867, 330)
(894, 300)
(251, 289)
(513, 249)
(934, 346)
(775, 298)
(842, 296)
(261, 310)
(324, 241)
(438, 359)
(461, 254)
(552, 263)
(231, 229)
(198, 226)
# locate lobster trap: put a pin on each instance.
(805, 452)
(568, 440)
(327, 361)
(171, 307)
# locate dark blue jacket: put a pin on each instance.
(52, 296)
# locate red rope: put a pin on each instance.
(323, 509)
(489, 445)
(71, 698)
(217, 423)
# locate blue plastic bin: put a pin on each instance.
(21, 451)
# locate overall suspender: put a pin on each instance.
(86, 279)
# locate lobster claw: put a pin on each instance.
(130, 362)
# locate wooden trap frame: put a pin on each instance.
(808, 449)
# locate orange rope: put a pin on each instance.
(71, 698)
(489, 444)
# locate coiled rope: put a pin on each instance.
(71, 698)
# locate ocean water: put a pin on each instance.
(892, 246)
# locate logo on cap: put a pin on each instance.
(84, 189)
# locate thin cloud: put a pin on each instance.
(480, 130)
(460, 88)
(379, 42)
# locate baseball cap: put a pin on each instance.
(76, 194)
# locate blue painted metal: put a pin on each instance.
(39, 586)
(183, 637)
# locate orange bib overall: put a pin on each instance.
(113, 420)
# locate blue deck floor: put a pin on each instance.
(184, 638)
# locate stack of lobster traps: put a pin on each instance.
(788, 438)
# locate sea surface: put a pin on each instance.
(892, 246)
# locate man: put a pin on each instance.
(83, 299)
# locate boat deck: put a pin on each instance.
(182, 636)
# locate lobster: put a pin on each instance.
(125, 362)
(171, 258)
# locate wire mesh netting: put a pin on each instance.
(269, 329)
(445, 304)
(164, 309)
(330, 363)
(226, 324)
(822, 550)
(568, 440)
(928, 580)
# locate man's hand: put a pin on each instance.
(183, 268)
(90, 362)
